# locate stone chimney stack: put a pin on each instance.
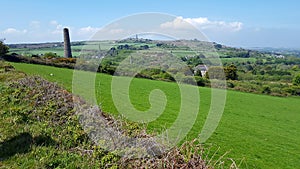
(67, 44)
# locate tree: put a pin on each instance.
(3, 49)
(231, 72)
(218, 46)
(218, 72)
(50, 55)
(200, 81)
(144, 47)
(296, 80)
(295, 67)
(215, 72)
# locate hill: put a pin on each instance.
(259, 131)
(39, 128)
(255, 71)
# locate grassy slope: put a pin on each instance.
(36, 133)
(262, 131)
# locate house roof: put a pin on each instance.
(201, 67)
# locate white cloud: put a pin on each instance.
(202, 23)
(34, 24)
(110, 33)
(87, 30)
(58, 29)
(177, 23)
(13, 31)
(53, 22)
(180, 27)
(113, 31)
(82, 33)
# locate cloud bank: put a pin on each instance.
(37, 31)
(202, 23)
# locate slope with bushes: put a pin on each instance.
(262, 131)
(39, 129)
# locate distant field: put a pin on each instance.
(183, 53)
(103, 45)
(76, 50)
(259, 130)
(59, 51)
(226, 60)
(106, 45)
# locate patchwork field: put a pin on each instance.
(257, 131)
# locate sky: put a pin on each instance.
(235, 23)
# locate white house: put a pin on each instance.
(203, 68)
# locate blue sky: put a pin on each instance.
(236, 23)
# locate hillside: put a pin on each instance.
(39, 128)
(257, 131)
(256, 71)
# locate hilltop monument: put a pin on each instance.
(67, 44)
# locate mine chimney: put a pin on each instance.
(67, 44)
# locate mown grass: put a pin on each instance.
(261, 131)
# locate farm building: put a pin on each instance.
(202, 68)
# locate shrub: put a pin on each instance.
(266, 89)
(218, 72)
(108, 69)
(66, 60)
(50, 55)
(168, 77)
(188, 80)
(293, 90)
(200, 81)
(230, 84)
(296, 80)
(3, 49)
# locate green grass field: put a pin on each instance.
(230, 60)
(76, 50)
(59, 51)
(258, 130)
